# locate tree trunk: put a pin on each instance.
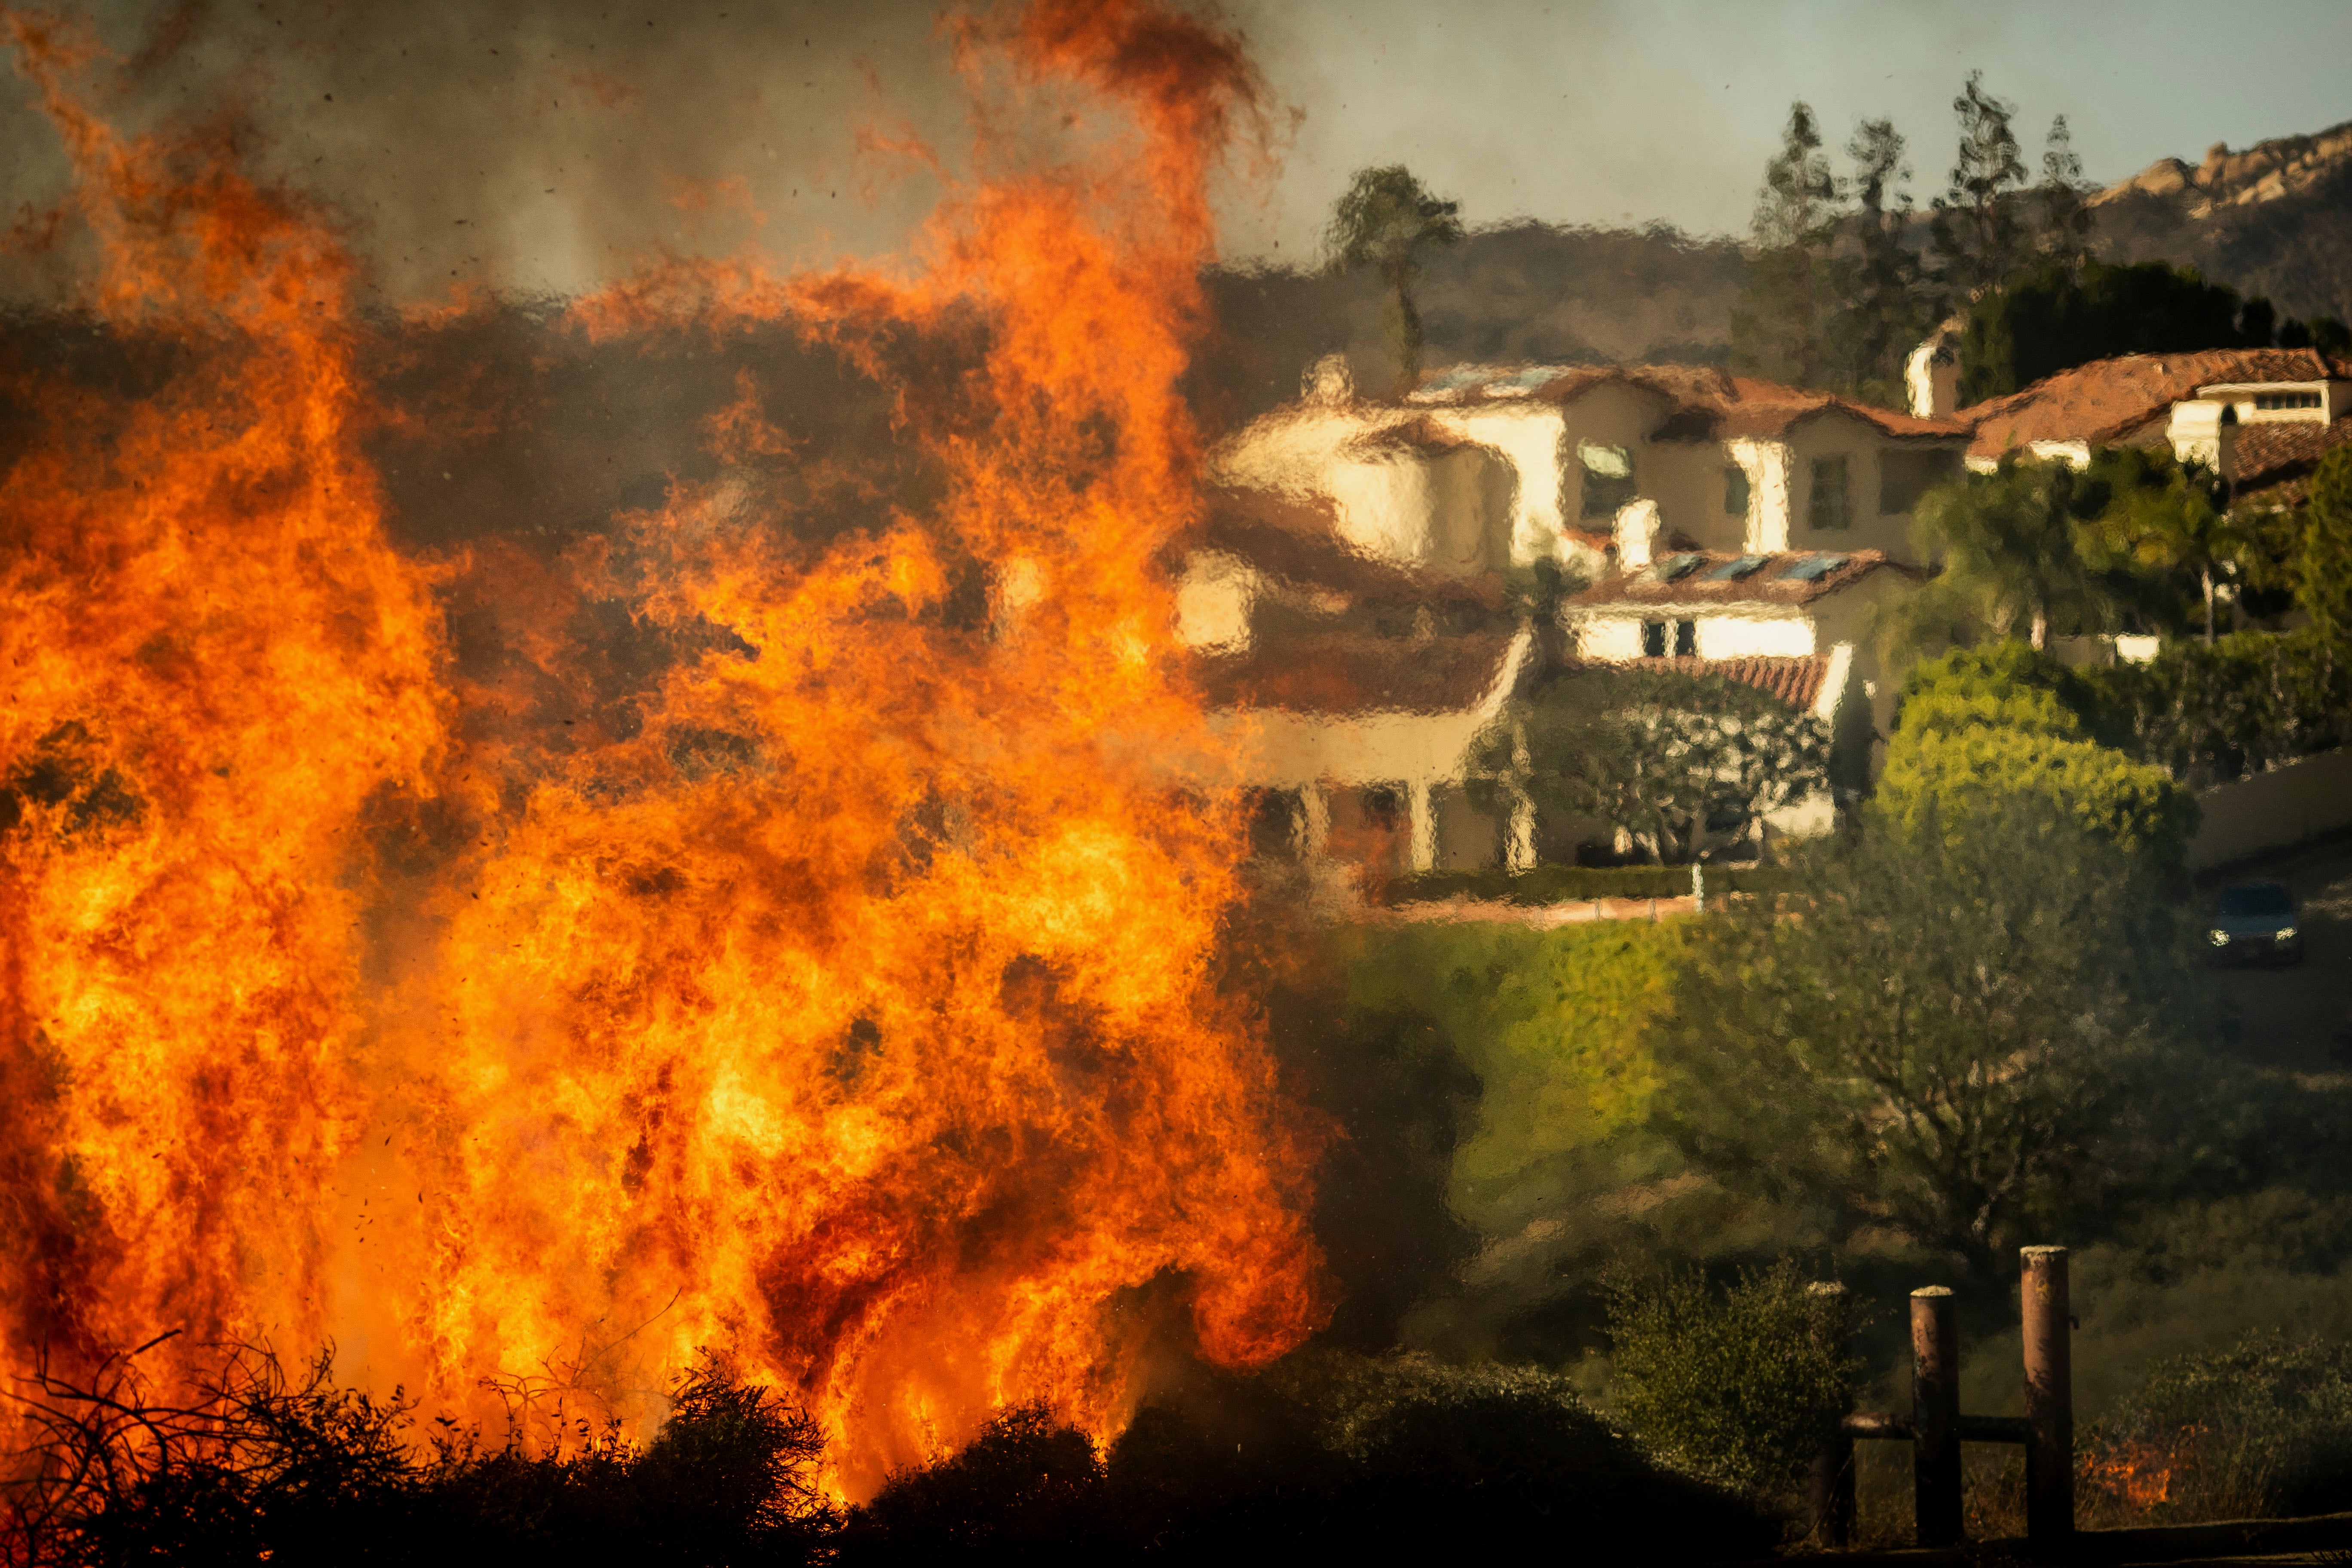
(2040, 635)
(2208, 606)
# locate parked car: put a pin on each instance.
(2255, 923)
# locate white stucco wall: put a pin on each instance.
(1213, 595)
(1769, 491)
(1753, 635)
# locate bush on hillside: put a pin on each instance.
(2261, 1427)
(262, 1465)
(1954, 1037)
(1740, 1385)
(1341, 1454)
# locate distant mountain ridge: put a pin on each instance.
(2264, 172)
(2275, 219)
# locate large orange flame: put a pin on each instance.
(854, 1015)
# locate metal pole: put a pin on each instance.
(1832, 1487)
(1935, 1417)
(2049, 1398)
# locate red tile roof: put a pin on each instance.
(1765, 586)
(1299, 540)
(1796, 681)
(1340, 673)
(2275, 460)
(2108, 399)
(1704, 402)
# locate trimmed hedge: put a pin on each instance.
(1564, 884)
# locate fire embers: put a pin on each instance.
(813, 963)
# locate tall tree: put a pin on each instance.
(2012, 557)
(1386, 221)
(1976, 235)
(1777, 327)
(2325, 575)
(1959, 1038)
(2065, 227)
(2167, 520)
(1881, 310)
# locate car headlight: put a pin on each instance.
(2287, 933)
(2220, 938)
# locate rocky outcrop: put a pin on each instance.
(2264, 172)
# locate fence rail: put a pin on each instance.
(1936, 1428)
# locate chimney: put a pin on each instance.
(1932, 375)
(2205, 431)
(1329, 379)
(1636, 531)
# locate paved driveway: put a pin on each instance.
(2289, 1016)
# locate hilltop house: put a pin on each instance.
(2261, 418)
(1346, 596)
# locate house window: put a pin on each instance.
(1735, 490)
(1905, 475)
(2273, 401)
(1608, 478)
(1686, 638)
(1826, 507)
(1653, 639)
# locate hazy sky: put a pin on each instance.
(547, 143)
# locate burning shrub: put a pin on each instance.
(261, 1465)
(2265, 1427)
(1739, 1386)
(1385, 1457)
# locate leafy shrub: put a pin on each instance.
(2263, 1426)
(2251, 701)
(1959, 776)
(1740, 1386)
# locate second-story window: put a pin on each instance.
(1608, 478)
(1735, 490)
(1826, 507)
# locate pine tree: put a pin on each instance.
(1882, 308)
(2066, 236)
(1778, 327)
(1975, 236)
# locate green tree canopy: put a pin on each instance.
(1386, 221)
(1664, 756)
(1956, 1035)
(2323, 574)
(2012, 562)
(2165, 523)
(2058, 314)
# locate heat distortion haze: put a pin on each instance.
(795, 938)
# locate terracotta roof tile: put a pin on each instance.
(1767, 585)
(2275, 460)
(1795, 680)
(1704, 402)
(1348, 674)
(2108, 399)
(1299, 540)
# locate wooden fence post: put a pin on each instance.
(1935, 1417)
(2049, 1401)
(1831, 1488)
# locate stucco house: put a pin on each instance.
(1346, 689)
(1486, 469)
(1347, 599)
(2261, 418)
